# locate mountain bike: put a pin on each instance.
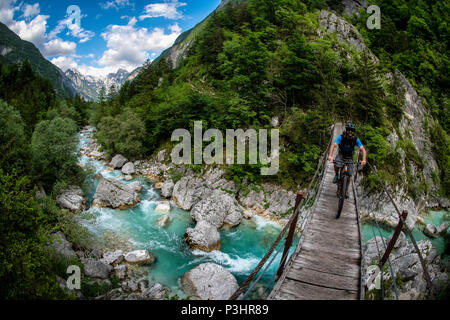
(343, 180)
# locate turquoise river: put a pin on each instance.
(242, 247)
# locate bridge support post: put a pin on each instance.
(389, 248)
(290, 236)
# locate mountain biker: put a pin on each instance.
(346, 142)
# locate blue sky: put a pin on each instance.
(109, 34)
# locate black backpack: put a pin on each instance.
(347, 146)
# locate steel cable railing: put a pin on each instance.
(301, 206)
(406, 228)
(304, 213)
(382, 240)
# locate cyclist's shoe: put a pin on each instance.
(335, 179)
(346, 195)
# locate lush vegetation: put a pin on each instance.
(38, 149)
(414, 39)
(252, 61)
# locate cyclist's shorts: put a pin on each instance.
(339, 162)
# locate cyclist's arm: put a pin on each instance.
(330, 156)
(363, 150)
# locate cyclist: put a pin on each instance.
(346, 142)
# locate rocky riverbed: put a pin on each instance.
(178, 225)
(212, 207)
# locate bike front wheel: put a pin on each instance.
(342, 196)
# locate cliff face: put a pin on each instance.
(412, 128)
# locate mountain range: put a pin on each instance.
(89, 86)
(13, 50)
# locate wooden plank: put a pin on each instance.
(294, 290)
(323, 279)
(333, 226)
(351, 252)
(320, 240)
(329, 231)
(343, 256)
(343, 220)
(349, 270)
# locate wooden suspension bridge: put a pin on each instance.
(326, 264)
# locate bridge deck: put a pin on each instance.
(326, 263)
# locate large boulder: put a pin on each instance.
(155, 292)
(442, 229)
(112, 257)
(115, 194)
(162, 206)
(270, 198)
(164, 221)
(118, 161)
(167, 188)
(139, 257)
(97, 269)
(430, 230)
(406, 266)
(62, 247)
(204, 237)
(188, 191)
(128, 168)
(71, 198)
(217, 209)
(209, 281)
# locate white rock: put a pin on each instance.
(204, 237)
(71, 198)
(139, 257)
(118, 161)
(163, 221)
(442, 229)
(167, 188)
(209, 281)
(112, 257)
(163, 206)
(430, 230)
(128, 168)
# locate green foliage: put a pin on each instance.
(441, 150)
(30, 94)
(122, 134)
(13, 149)
(91, 288)
(25, 267)
(54, 152)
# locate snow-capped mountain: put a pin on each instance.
(89, 86)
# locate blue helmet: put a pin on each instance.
(350, 127)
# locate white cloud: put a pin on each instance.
(64, 63)
(128, 46)
(33, 31)
(58, 47)
(117, 4)
(7, 11)
(75, 30)
(31, 10)
(167, 10)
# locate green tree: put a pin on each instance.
(54, 152)
(13, 149)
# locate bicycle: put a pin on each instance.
(343, 179)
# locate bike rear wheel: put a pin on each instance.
(342, 196)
